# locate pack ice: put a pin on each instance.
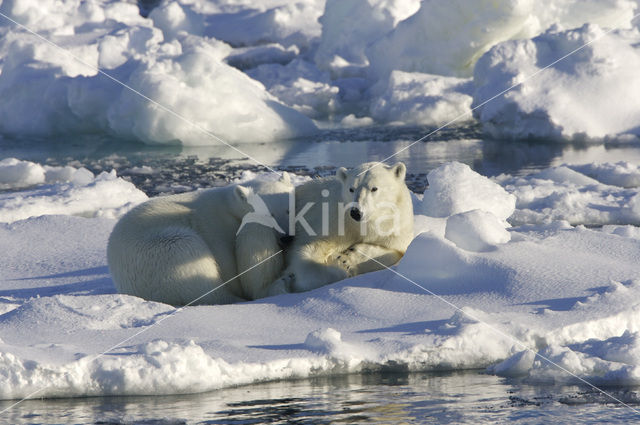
(502, 275)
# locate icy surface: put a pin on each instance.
(416, 98)
(62, 190)
(179, 87)
(565, 193)
(248, 71)
(455, 188)
(447, 38)
(470, 297)
(587, 96)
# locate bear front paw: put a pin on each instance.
(345, 261)
(283, 285)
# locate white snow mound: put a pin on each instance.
(455, 188)
(178, 87)
(62, 190)
(592, 97)
(476, 230)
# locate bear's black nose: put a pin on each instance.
(355, 214)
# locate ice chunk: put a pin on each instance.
(64, 190)
(586, 96)
(300, 85)
(447, 38)
(249, 57)
(286, 23)
(455, 188)
(15, 173)
(517, 365)
(205, 94)
(323, 341)
(179, 88)
(348, 27)
(476, 230)
(425, 99)
(563, 193)
(623, 173)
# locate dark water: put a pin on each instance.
(457, 397)
(177, 168)
(461, 397)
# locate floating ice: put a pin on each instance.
(456, 188)
(476, 230)
(391, 61)
(415, 98)
(568, 293)
(62, 190)
(190, 91)
(348, 27)
(447, 38)
(585, 96)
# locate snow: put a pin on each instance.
(417, 98)
(179, 87)
(565, 193)
(263, 71)
(447, 38)
(508, 273)
(592, 90)
(456, 188)
(471, 292)
(62, 190)
(476, 230)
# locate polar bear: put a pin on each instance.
(355, 222)
(259, 255)
(175, 249)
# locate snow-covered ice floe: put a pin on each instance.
(589, 95)
(491, 279)
(62, 190)
(179, 89)
(247, 71)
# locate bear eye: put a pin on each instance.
(374, 189)
(351, 189)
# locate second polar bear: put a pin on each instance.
(186, 248)
(358, 221)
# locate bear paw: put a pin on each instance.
(345, 260)
(283, 285)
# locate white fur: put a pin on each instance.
(175, 249)
(321, 252)
(259, 244)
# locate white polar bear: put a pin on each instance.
(355, 222)
(176, 249)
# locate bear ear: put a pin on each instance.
(342, 174)
(285, 178)
(399, 170)
(242, 193)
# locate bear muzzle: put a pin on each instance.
(355, 214)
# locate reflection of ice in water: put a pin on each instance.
(598, 153)
(331, 148)
(375, 398)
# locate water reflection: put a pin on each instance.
(332, 148)
(453, 397)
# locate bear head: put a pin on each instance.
(374, 194)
